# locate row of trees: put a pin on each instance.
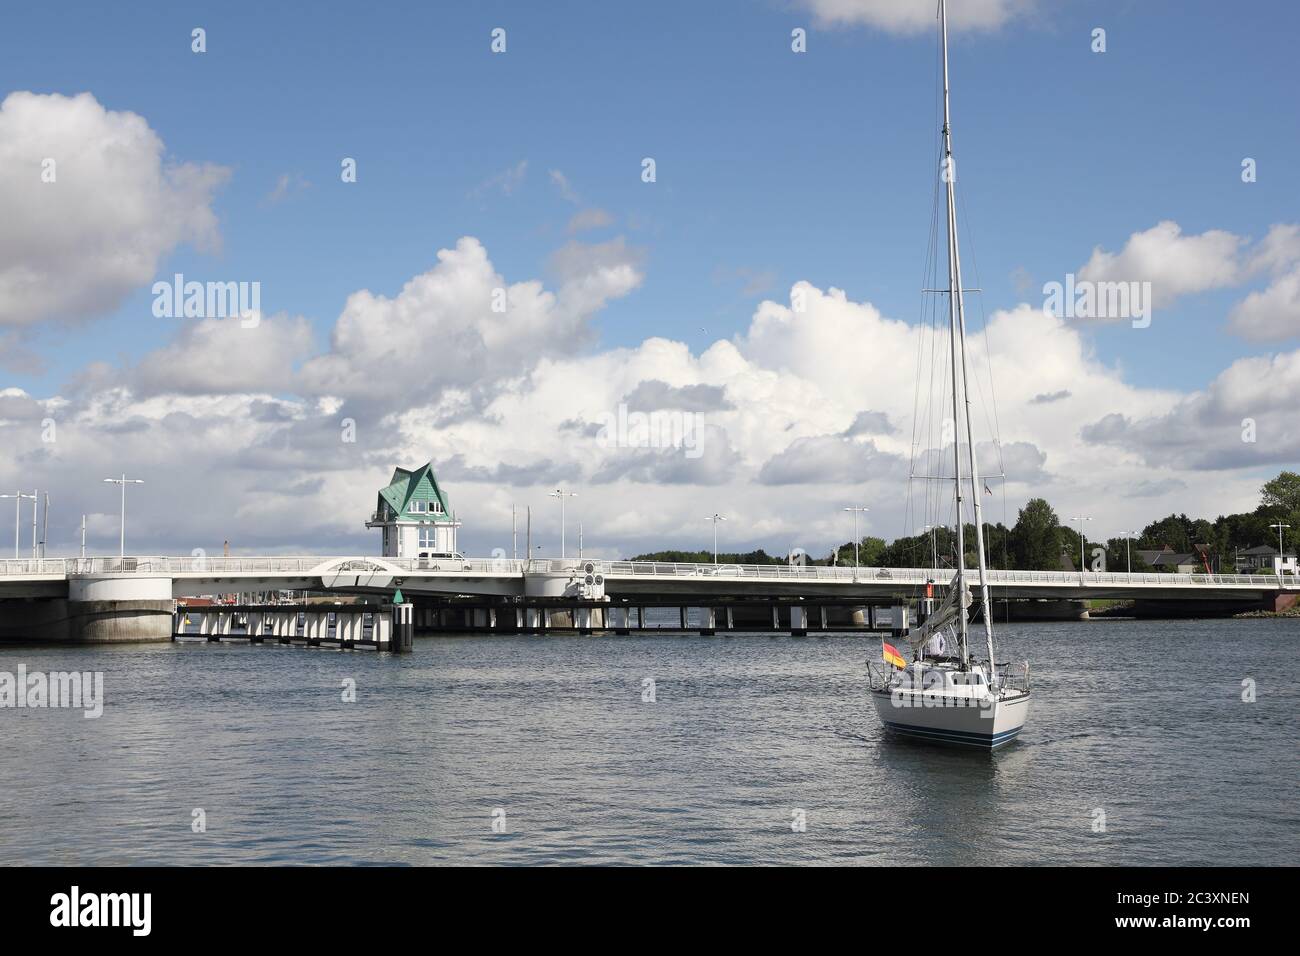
(1040, 542)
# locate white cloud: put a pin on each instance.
(1270, 314)
(506, 403)
(1245, 417)
(917, 16)
(1173, 263)
(226, 356)
(75, 247)
(1177, 265)
(441, 331)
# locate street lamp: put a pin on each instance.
(562, 494)
(715, 519)
(1128, 548)
(18, 501)
(857, 510)
(123, 481)
(1082, 538)
(1279, 527)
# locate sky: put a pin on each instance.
(760, 294)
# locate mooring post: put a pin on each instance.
(402, 640)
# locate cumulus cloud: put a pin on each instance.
(509, 404)
(870, 423)
(654, 394)
(1175, 264)
(461, 325)
(74, 247)
(1270, 314)
(226, 356)
(829, 459)
(916, 16)
(1244, 418)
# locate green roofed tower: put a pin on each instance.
(415, 515)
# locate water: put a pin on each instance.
(1141, 720)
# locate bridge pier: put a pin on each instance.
(798, 621)
(99, 609)
(708, 622)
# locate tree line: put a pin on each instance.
(1038, 541)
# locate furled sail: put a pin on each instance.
(943, 616)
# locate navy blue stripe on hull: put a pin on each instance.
(959, 737)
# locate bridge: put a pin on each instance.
(127, 598)
(504, 577)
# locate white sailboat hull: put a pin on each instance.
(986, 723)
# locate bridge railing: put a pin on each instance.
(270, 565)
(913, 576)
(910, 577)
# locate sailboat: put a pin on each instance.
(937, 697)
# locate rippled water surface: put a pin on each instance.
(1143, 721)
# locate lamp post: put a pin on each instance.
(857, 510)
(1128, 548)
(123, 481)
(1280, 526)
(715, 519)
(562, 494)
(18, 503)
(1082, 539)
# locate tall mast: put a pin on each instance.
(960, 393)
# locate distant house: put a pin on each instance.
(1167, 559)
(1264, 559)
(415, 516)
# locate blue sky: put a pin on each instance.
(770, 165)
(773, 168)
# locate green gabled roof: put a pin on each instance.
(407, 486)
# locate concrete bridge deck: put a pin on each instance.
(173, 577)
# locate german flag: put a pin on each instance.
(892, 656)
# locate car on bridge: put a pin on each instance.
(433, 560)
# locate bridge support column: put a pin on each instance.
(823, 616)
(621, 619)
(731, 618)
(798, 621)
(708, 623)
(776, 618)
(583, 620)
